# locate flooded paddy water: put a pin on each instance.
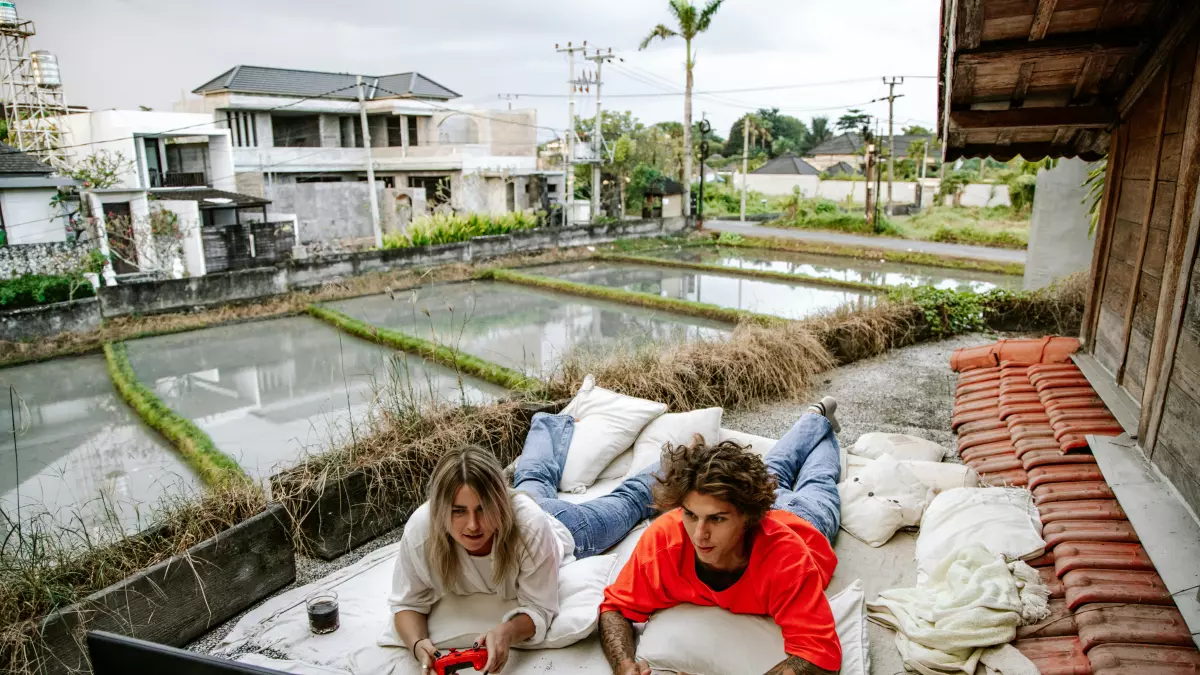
(520, 327)
(841, 268)
(763, 296)
(267, 392)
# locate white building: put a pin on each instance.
(27, 190)
(298, 126)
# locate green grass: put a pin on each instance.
(688, 307)
(451, 228)
(447, 356)
(854, 223)
(994, 226)
(734, 271)
(213, 466)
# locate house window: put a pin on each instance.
(296, 131)
(394, 138)
(413, 123)
(351, 128)
(318, 179)
(437, 188)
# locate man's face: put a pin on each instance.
(717, 530)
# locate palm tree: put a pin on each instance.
(691, 22)
(820, 131)
(759, 128)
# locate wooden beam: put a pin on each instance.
(970, 24)
(1178, 30)
(1116, 13)
(1089, 77)
(1104, 230)
(1041, 19)
(1135, 284)
(963, 86)
(1063, 137)
(1181, 250)
(1084, 117)
(1023, 79)
(1010, 51)
(1004, 138)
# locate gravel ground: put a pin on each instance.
(907, 391)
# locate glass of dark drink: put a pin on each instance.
(322, 611)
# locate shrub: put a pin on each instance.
(974, 235)
(819, 213)
(449, 228)
(947, 311)
(1021, 190)
(31, 290)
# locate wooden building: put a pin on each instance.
(1090, 79)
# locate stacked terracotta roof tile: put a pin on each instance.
(1024, 422)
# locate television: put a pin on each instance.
(113, 654)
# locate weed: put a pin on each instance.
(948, 312)
(31, 290)
(450, 228)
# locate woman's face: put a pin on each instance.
(468, 525)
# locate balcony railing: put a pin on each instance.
(177, 179)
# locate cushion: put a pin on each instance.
(457, 620)
(676, 429)
(712, 641)
(900, 446)
(606, 424)
(618, 467)
(881, 499)
(1004, 520)
(940, 476)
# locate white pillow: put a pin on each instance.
(953, 520)
(940, 476)
(881, 499)
(456, 620)
(712, 641)
(900, 446)
(605, 425)
(676, 429)
(618, 467)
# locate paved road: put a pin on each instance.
(842, 239)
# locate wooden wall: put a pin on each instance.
(1144, 312)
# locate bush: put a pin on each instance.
(819, 213)
(947, 311)
(1021, 190)
(31, 290)
(974, 235)
(451, 228)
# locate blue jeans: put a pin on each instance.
(597, 524)
(807, 465)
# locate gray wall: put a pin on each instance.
(326, 211)
(1059, 243)
(32, 323)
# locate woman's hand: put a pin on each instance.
(497, 642)
(636, 668)
(425, 653)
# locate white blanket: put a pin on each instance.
(972, 600)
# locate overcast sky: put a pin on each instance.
(125, 53)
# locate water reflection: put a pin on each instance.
(790, 301)
(83, 458)
(521, 327)
(267, 392)
(844, 269)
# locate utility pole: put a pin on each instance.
(569, 194)
(366, 138)
(507, 97)
(745, 160)
(891, 135)
(597, 135)
(869, 151)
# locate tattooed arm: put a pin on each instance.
(794, 665)
(616, 636)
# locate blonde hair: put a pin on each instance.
(478, 469)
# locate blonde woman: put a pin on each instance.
(475, 535)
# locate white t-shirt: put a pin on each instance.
(548, 546)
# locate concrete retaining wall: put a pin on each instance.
(31, 323)
(177, 600)
(1059, 243)
(172, 295)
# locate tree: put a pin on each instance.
(820, 132)
(916, 130)
(691, 22)
(759, 129)
(853, 120)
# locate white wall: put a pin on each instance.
(772, 185)
(189, 224)
(29, 218)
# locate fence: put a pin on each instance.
(237, 247)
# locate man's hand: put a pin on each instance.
(497, 642)
(616, 636)
(794, 665)
(425, 653)
(635, 668)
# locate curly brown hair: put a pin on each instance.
(725, 471)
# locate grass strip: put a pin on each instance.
(213, 466)
(785, 277)
(446, 356)
(801, 246)
(618, 295)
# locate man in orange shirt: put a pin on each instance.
(746, 534)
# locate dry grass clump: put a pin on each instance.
(48, 565)
(1057, 308)
(756, 364)
(851, 334)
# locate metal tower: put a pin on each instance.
(31, 87)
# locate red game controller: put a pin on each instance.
(454, 661)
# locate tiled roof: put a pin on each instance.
(1022, 412)
(15, 162)
(312, 83)
(208, 198)
(790, 164)
(850, 143)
